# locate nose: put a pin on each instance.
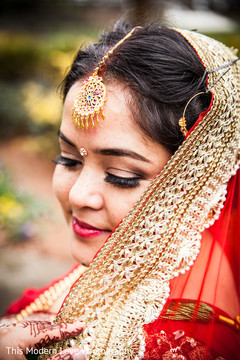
(86, 191)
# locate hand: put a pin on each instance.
(70, 354)
(19, 339)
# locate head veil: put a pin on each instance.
(128, 282)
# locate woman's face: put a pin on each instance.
(96, 191)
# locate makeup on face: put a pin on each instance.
(86, 230)
(97, 190)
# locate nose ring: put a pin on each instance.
(83, 151)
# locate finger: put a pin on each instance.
(43, 333)
(70, 354)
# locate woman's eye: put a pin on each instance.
(122, 182)
(61, 160)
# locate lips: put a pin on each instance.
(85, 230)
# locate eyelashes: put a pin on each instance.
(120, 182)
(61, 160)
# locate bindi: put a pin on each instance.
(83, 151)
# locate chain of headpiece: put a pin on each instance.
(89, 103)
(127, 284)
(182, 121)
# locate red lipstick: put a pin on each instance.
(85, 230)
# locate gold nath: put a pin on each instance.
(90, 100)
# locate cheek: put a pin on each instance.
(61, 184)
(123, 201)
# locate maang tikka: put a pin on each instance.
(90, 101)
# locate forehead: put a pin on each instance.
(118, 125)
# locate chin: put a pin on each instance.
(81, 252)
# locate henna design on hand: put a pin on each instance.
(47, 340)
(68, 334)
(44, 327)
(63, 357)
(68, 354)
(38, 327)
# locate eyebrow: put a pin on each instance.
(64, 138)
(110, 151)
(122, 152)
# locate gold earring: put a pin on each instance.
(182, 121)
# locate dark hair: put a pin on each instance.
(162, 72)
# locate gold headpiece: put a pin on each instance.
(90, 101)
(127, 284)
